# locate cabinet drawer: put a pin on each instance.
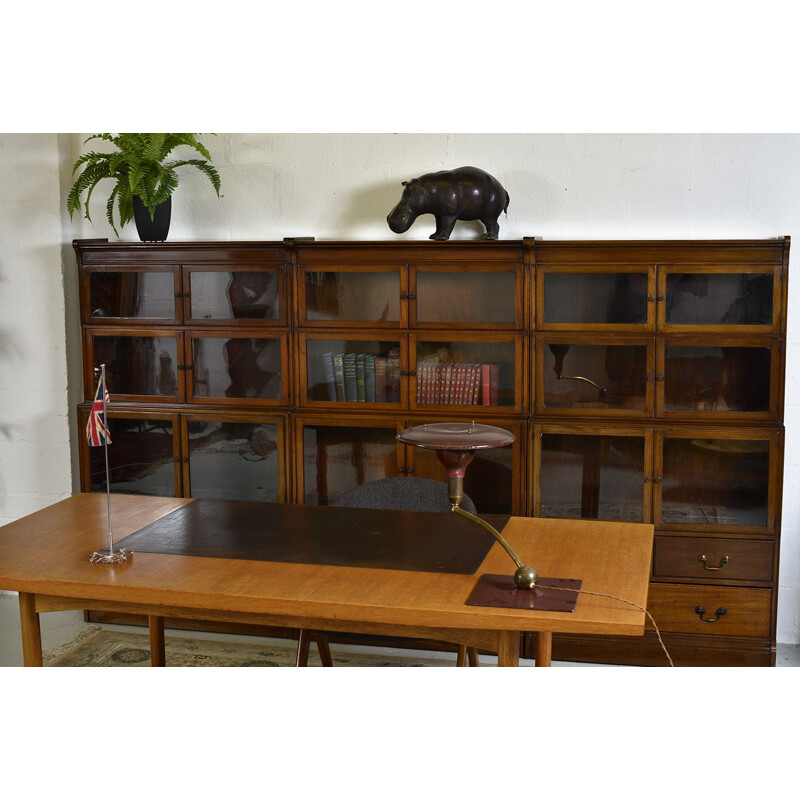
(725, 559)
(746, 611)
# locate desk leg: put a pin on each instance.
(508, 650)
(157, 653)
(543, 649)
(31, 632)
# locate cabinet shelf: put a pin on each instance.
(644, 381)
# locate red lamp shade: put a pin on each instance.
(455, 443)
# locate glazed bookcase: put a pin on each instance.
(643, 380)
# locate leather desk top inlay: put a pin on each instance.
(352, 537)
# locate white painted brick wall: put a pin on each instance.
(35, 465)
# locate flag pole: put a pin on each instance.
(106, 555)
(108, 471)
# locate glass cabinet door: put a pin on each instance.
(716, 478)
(466, 296)
(234, 458)
(147, 295)
(737, 378)
(225, 296)
(353, 296)
(141, 364)
(247, 367)
(356, 369)
(719, 298)
(591, 374)
(484, 372)
(336, 455)
(491, 481)
(612, 298)
(592, 474)
(143, 455)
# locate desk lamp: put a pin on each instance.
(455, 444)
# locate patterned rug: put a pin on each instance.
(95, 647)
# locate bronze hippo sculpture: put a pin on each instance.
(466, 193)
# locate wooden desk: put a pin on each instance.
(45, 556)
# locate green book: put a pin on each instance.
(338, 375)
(330, 381)
(369, 379)
(360, 378)
(350, 390)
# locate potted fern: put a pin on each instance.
(145, 179)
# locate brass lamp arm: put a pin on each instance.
(525, 577)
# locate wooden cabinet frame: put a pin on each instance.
(90, 380)
(301, 369)
(772, 437)
(664, 270)
(279, 420)
(238, 333)
(85, 279)
(304, 272)
(649, 299)
(535, 458)
(465, 271)
(284, 299)
(519, 365)
(775, 411)
(126, 413)
(542, 340)
(300, 421)
(531, 261)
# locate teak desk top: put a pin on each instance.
(45, 557)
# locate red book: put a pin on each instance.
(472, 385)
(461, 384)
(486, 397)
(448, 384)
(494, 385)
(424, 382)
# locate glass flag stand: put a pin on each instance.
(97, 433)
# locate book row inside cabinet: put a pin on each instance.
(644, 381)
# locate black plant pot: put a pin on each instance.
(156, 229)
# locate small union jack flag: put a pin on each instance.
(96, 430)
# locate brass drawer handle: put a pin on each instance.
(722, 562)
(720, 612)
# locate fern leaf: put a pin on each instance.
(207, 169)
(110, 208)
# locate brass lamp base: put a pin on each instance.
(549, 594)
